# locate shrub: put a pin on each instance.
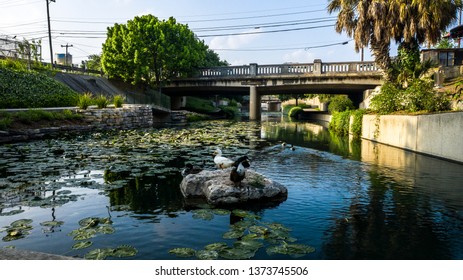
(118, 101)
(340, 103)
(294, 112)
(85, 100)
(418, 96)
(229, 111)
(101, 101)
(388, 100)
(356, 126)
(340, 122)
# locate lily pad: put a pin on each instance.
(124, 251)
(216, 246)
(295, 250)
(52, 223)
(207, 255)
(183, 252)
(21, 223)
(258, 229)
(98, 254)
(232, 234)
(82, 245)
(89, 222)
(221, 212)
(203, 214)
(248, 244)
(106, 229)
(237, 254)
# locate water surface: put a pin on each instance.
(346, 200)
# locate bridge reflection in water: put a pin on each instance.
(352, 78)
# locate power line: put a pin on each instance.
(265, 25)
(265, 32)
(261, 16)
(284, 49)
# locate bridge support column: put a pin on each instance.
(254, 104)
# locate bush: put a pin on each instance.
(229, 111)
(85, 100)
(388, 100)
(340, 103)
(101, 101)
(418, 96)
(118, 101)
(356, 126)
(294, 112)
(340, 122)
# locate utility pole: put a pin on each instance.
(66, 54)
(49, 31)
(459, 22)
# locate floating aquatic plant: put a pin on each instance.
(183, 252)
(17, 230)
(98, 254)
(233, 234)
(52, 223)
(124, 251)
(203, 214)
(82, 245)
(207, 255)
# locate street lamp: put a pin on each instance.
(49, 31)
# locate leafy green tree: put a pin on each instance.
(377, 23)
(445, 43)
(93, 62)
(147, 50)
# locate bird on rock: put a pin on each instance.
(221, 161)
(190, 169)
(237, 173)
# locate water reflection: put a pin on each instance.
(349, 200)
(401, 206)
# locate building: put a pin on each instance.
(63, 58)
(450, 61)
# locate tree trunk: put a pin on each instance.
(380, 51)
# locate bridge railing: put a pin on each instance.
(289, 69)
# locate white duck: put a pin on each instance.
(221, 161)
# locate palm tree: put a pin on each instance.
(376, 23)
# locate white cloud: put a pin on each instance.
(299, 56)
(233, 41)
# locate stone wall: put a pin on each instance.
(128, 117)
(438, 135)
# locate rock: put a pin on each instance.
(217, 187)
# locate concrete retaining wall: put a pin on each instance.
(438, 135)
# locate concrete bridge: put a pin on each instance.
(351, 78)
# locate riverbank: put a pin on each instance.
(127, 117)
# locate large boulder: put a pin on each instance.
(217, 187)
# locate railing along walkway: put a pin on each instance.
(316, 68)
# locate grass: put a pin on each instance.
(199, 105)
(30, 117)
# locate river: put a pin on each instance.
(92, 195)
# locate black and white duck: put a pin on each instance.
(237, 173)
(190, 169)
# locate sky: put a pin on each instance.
(240, 31)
